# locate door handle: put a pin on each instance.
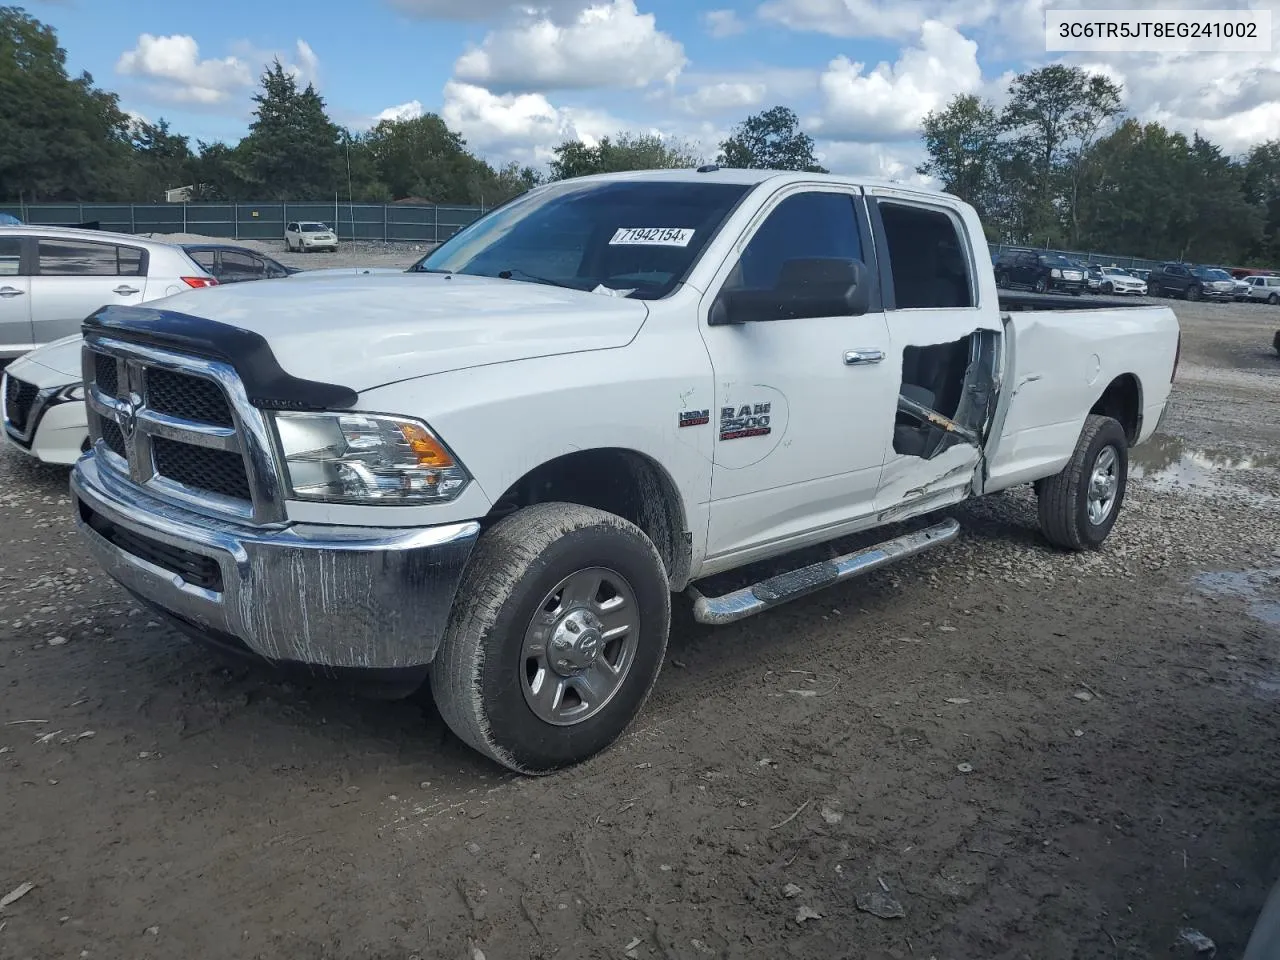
(853, 357)
(8, 292)
(125, 290)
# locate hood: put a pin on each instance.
(55, 364)
(329, 272)
(365, 331)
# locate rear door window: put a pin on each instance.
(10, 256)
(80, 258)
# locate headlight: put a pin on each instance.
(366, 458)
(73, 392)
(1055, 272)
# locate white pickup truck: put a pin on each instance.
(496, 469)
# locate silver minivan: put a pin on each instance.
(51, 278)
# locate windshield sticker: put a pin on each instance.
(652, 236)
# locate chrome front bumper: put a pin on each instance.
(343, 597)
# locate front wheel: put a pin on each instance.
(1108, 287)
(1079, 506)
(1274, 299)
(1041, 285)
(1193, 293)
(556, 637)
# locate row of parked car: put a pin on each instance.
(51, 278)
(1047, 272)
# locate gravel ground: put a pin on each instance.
(995, 751)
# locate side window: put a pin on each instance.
(928, 259)
(206, 259)
(10, 256)
(80, 258)
(241, 266)
(292, 228)
(817, 224)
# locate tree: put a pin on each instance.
(421, 157)
(771, 140)
(1054, 115)
(964, 148)
(162, 161)
(1261, 184)
(60, 138)
(626, 151)
(292, 151)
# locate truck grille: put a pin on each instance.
(19, 398)
(172, 425)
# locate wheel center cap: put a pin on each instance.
(576, 643)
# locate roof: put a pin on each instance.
(77, 233)
(755, 177)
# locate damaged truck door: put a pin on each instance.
(946, 350)
(801, 425)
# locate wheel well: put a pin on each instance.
(622, 482)
(1122, 401)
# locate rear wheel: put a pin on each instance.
(1079, 506)
(556, 638)
(1002, 280)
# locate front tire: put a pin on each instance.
(1274, 299)
(1193, 293)
(556, 638)
(1041, 285)
(1079, 506)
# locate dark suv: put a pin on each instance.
(1191, 282)
(1041, 272)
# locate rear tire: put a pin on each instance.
(1002, 280)
(1079, 506)
(502, 681)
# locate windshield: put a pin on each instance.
(1205, 273)
(638, 238)
(313, 227)
(1116, 272)
(1052, 261)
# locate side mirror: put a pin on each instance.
(806, 287)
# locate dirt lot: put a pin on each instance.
(1033, 755)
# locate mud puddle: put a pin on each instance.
(1169, 463)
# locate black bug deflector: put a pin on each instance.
(267, 385)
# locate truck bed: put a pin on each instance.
(1027, 300)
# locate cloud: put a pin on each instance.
(722, 96)
(723, 23)
(609, 45)
(175, 72)
(892, 19)
(482, 10)
(889, 102)
(522, 126)
(302, 63)
(403, 111)
(895, 162)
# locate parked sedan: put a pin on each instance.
(232, 264)
(1116, 280)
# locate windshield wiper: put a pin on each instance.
(525, 275)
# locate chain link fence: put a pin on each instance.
(386, 222)
(392, 222)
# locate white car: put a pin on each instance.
(1116, 280)
(496, 469)
(307, 235)
(51, 278)
(1263, 289)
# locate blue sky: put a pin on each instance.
(515, 81)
